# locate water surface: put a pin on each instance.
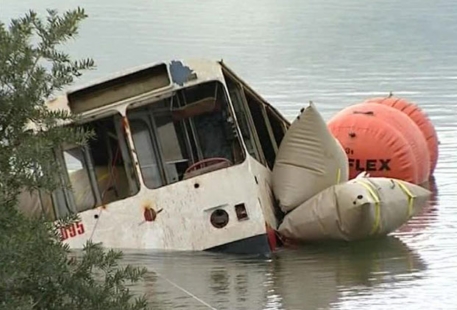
(334, 53)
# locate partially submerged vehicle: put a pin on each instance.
(181, 160)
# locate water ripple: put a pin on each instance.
(331, 52)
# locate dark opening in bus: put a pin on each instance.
(187, 134)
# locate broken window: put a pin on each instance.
(208, 112)
(78, 172)
(47, 206)
(278, 125)
(100, 173)
(263, 128)
(244, 118)
(188, 132)
(35, 204)
(40, 203)
(158, 139)
(146, 152)
(53, 205)
(172, 142)
(63, 199)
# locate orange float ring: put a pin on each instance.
(405, 126)
(420, 118)
(375, 146)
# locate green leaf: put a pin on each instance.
(38, 271)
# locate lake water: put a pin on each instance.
(334, 53)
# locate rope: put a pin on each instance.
(158, 274)
(185, 291)
(410, 197)
(110, 181)
(96, 222)
(112, 172)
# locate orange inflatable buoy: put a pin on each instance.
(420, 118)
(407, 128)
(374, 145)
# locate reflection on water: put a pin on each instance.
(335, 53)
(310, 277)
(342, 269)
(424, 219)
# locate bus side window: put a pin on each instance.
(244, 118)
(263, 128)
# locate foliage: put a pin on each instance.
(30, 74)
(37, 271)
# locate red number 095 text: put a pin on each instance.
(71, 230)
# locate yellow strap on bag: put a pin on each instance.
(409, 194)
(338, 176)
(377, 220)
